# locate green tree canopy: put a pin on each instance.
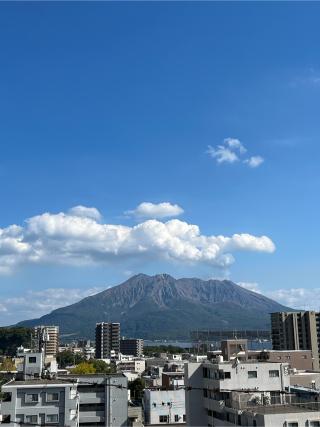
(7, 365)
(12, 338)
(84, 368)
(136, 388)
(67, 358)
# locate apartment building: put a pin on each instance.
(73, 401)
(45, 338)
(40, 402)
(133, 365)
(103, 400)
(297, 359)
(226, 393)
(172, 380)
(164, 407)
(107, 339)
(297, 331)
(132, 346)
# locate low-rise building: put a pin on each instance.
(73, 401)
(297, 359)
(164, 407)
(172, 380)
(256, 393)
(134, 365)
(43, 402)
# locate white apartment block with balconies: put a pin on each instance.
(244, 394)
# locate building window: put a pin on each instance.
(184, 418)
(227, 375)
(293, 424)
(32, 359)
(274, 373)
(252, 374)
(176, 418)
(31, 419)
(52, 397)
(205, 392)
(32, 398)
(163, 418)
(314, 423)
(52, 418)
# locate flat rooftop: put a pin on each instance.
(282, 409)
(40, 382)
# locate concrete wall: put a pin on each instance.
(240, 376)
(19, 408)
(168, 403)
(196, 413)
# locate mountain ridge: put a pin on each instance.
(162, 307)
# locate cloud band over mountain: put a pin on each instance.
(78, 238)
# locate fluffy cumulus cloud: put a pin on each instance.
(155, 210)
(231, 151)
(86, 212)
(66, 238)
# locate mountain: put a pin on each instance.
(161, 307)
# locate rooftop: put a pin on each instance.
(284, 409)
(40, 382)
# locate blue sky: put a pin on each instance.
(109, 105)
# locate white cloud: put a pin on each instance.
(235, 144)
(67, 239)
(155, 210)
(251, 286)
(38, 303)
(298, 298)
(85, 212)
(301, 298)
(231, 151)
(254, 161)
(222, 154)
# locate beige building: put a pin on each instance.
(297, 331)
(297, 359)
(45, 338)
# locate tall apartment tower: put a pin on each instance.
(132, 346)
(45, 338)
(107, 339)
(297, 331)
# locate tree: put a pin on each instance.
(12, 338)
(67, 358)
(84, 368)
(136, 388)
(102, 367)
(7, 365)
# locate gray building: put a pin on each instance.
(82, 400)
(43, 402)
(132, 346)
(107, 339)
(297, 331)
(103, 400)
